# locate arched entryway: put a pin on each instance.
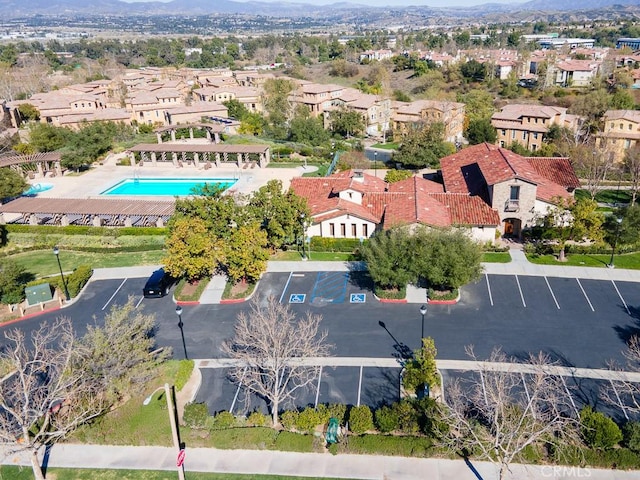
(512, 227)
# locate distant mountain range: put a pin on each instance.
(20, 8)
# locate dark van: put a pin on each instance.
(158, 284)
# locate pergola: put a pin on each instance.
(27, 165)
(91, 211)
(209, 154)
(213, 130)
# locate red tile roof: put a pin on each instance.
(468, 170)
(557, 169)
(414, 200)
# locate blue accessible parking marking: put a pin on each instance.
(297, 298)
(358, 298)
(330, 287)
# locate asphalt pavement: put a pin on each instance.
(327, 465)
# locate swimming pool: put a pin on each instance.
(164, 186)
(37, 188)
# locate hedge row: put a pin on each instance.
(346, 245)
(121, 249)
(75, 281)
(544, 248)
(85, 230)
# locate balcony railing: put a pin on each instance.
(512, 206)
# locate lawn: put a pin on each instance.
(294, 256)
(386, 146)
(629, 260)
(25, 473)
(496, 257)
(43, 263)
(607, 196)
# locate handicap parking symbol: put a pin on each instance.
(297, 298)
(358, 298)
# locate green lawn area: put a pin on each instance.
(43, 262)
(629, 260)
(607, 196)
(386, 146)
(496, 257)
(25, 473)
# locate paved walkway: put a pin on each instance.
(265, 462)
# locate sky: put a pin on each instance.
(378, 3)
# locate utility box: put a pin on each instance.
(38, 294)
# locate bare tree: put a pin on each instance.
(627, 385)
(271, 344)
(593, 164)
(43, 396)
(507, 407)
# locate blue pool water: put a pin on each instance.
(37, 188)
(164, 186)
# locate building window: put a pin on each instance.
(621, 126)
(535, 135)
(365, 230)
(504, 132)
(627, 143)
(534, 147)
(513, 134)
(343, 229)
(354, 230)
(332, 230)
(630, 127)
(612, 125)
(524, 135)
(514, 194)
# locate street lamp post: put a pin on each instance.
(56, 252)
(180, 325)
(304, 256)
(168, 392)
(423, 312)
(615, 241)
(375, 163)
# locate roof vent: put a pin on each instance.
(358, 176)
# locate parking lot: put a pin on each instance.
(578, 322)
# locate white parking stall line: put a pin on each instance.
(286, 285)
(585, 295)
(524, 304)
(114, 294)
(552, 294)
(235, 397)
(566, 389)
(621, 299)
(620, 404)
(526, 391)
(139, 301)
(489, 289)
(318, 387)
(359, 387)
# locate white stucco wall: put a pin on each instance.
(324, 229)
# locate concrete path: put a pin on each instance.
(213, 292)
(266, 462)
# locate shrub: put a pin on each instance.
(390, 445)
(346, 245)
(78, 279)
(408, 417)
(631, 435)
(289, 419)
(185, 367)
(257, 419)
(308, 420)
(598, 430)
(386, 419)
(196, 415)
(360, 419)
(224, 420)
(421, 369)
(335, 410)
(398, 294)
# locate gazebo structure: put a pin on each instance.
(181, 154)
(92, 211)
(213, 131)
(32, 164)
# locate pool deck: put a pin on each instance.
(100, 177)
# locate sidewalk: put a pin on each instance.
(266, 462)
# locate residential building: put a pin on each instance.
(406, 115)
(527, 124)
(620, 133)
(249, 96)
(519, 189)
(375, 110)
(571, 43)
(355, 205)
(575, 73)
(375, 55)
(317, 97)
(632, 43)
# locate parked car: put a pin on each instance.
(158, 285)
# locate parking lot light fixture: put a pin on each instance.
(615, 241)
(180, 325)
(302, 218)
(168, 393)
(423, 312)
(56, 252)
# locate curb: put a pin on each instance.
(227, 301)
(187, 303)
(392, 300)
(27, 317)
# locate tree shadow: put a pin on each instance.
(625, 332)
(360, 279)
(386, 391)
(465, 456)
